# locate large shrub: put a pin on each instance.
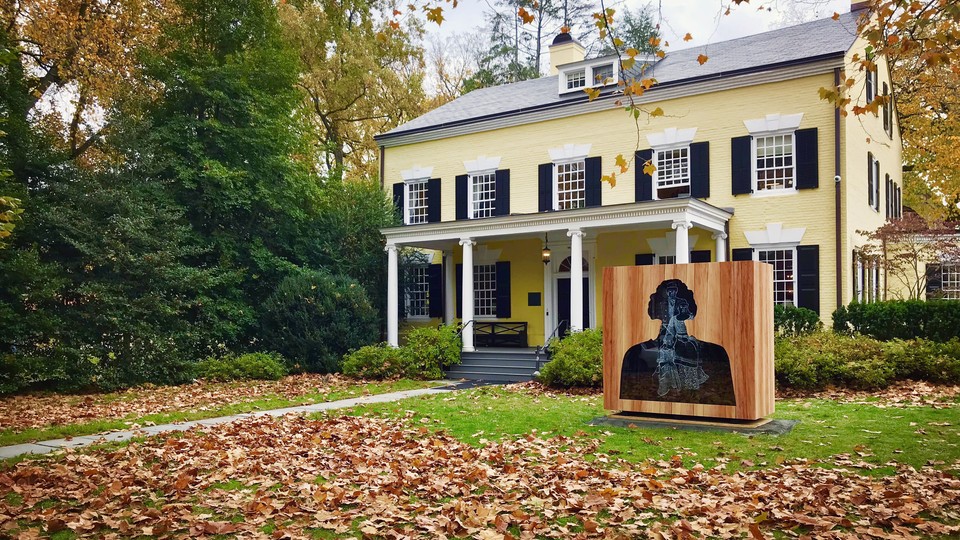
(425, 355)
(430, 350)
(376, 362)
(250, 366)
(936, 320)
(795, 321)
(823, 359)
(313, 319)
(575, 360)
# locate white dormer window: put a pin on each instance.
(589, 73)
(576, 79)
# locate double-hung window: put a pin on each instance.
(418, 293)
(571, 185)
(485, 290)
(416, 201)
(950, 281)
(483, 191)
(784, 273)
(672, 175)
(873, 182)
(774, 162)
(576, 79)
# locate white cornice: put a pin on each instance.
(773, 123)
(482, 164)
(416, 173)
(569, 152)
(671, 137)
(661, 213)
(775, 236)
(653, 95)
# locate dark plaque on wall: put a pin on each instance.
(533, 299)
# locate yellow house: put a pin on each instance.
(504, 185)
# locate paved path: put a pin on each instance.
(44, 447)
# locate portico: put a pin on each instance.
(567, 295)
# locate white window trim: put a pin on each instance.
(949, 268)
(406, 197)
(485, 317)
(588, 67)
(753, 167)
(406, 297)
(656, 173)
(470, 178)
(780, 247)
(556, 182)
(874, 186)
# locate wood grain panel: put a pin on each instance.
(734, 310)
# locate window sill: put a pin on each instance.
(774, 192)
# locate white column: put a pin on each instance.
(683, 241)
(449, 283)
(576, 279)
(466, 295)
(721, 239)
(393, 296)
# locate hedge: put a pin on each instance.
(936, 320)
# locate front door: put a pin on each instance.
(563, 304)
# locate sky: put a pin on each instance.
(703, 19)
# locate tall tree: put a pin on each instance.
(637, 30)
(360, 75)
(77, 57)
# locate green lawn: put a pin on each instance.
(870, 434)
(10, 437)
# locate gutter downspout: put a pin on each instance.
(836, 194)
(382, 166)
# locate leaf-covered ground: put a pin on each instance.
(409, 471)
(39, 411)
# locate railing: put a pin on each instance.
(544, 350)
(500, 334)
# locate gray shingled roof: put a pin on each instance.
(806, 41)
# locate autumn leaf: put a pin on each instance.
(435, 14)
(688, 37)
(836, 16)
(525, 16)
(592, 93)
(610, 179)
(656, 112)
(649, 168)
(702, 59)
(620, 162)
(631, 52)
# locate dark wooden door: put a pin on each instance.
(563, 305)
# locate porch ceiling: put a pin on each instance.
(632, 216)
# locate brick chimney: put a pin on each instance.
(863, 4)
(565, 50)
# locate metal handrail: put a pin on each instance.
(545, 348)
(458, 335)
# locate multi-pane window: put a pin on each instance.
(667, 259)
(673, 172)
(602, 73)
(576, 79)
(485, 290)
(418, 293)
(871, 84)
(417, 202)
(873, 182)
(784, 284)
(774, 162)
(483, 194)
(571, 185)
(950, 281)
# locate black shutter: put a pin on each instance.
(741, 173)
(643, 259)
(460, 187)
(459, 292)
(503, 290)
(808, 277)
(435, 290)
(643, 188)
(433, 200)
(871, 85)
(700, 170)
(398, 200)
(808, 168)
(546, 187)
(742, 254)
(934, 280)
(700, 256)
(888, 197)
(593, 172)
(887, 109)
(502, 204)
(870, 179)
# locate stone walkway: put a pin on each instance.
(53, 445)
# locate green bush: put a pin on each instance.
(936, 320)
(822, 359)
(430, 350)
(795, 321)
(427, 352)
(313, 319)
(250, 366)
(575, 360)
(376, 362)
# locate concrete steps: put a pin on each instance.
(496, 364)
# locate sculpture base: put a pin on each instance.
(695, 423)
